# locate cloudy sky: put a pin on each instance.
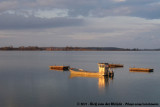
(107, 23)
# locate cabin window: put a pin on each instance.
(101, 65)
(107, 66)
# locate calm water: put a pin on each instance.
(27, 81)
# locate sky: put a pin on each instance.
(84, 23)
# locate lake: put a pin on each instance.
(27, 81)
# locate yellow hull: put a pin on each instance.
(81, 72)
(86, 73)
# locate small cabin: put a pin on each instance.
(103, 68)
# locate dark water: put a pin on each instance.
(27, 81)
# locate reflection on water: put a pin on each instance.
(103, 81)
(25, 79)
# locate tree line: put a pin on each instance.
(70, 48)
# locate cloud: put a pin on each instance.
(5, 5)
(80, 23)
(13, 21)
(92, 8)
(119, 0)
(106, 31)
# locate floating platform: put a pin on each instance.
(59, 67)
(115, 65)
(140, 70)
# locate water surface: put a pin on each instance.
(27, 81)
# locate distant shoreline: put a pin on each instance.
(35, 48)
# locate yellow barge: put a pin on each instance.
(104, 70)
(140, 70)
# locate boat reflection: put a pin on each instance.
(103, 81)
